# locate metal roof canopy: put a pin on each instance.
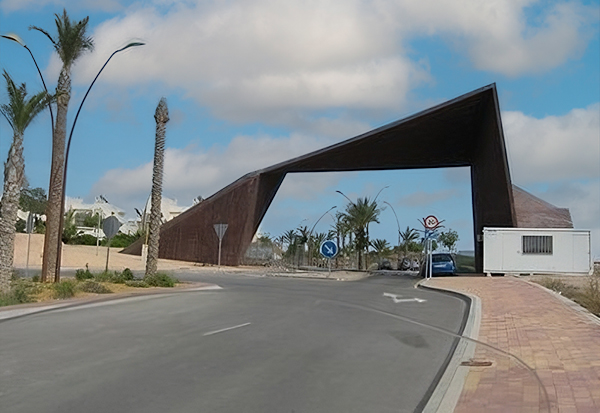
(465, 131)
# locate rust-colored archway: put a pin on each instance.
(466, 131)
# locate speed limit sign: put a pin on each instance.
(431, 222)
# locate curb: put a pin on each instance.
(36, 308)
(448, 390)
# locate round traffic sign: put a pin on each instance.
(111, 226)
(431, 222)
(328, 249)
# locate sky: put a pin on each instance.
(250, 84)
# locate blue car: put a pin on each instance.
(443, 264)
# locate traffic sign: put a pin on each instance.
(328, 249)
(220, 230)
(111, 226)
(431, 222)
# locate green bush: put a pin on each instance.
(64, 289)
(83, 239)
(35, 279)
(21, 291)
(122, 240)
(104, 277)
(160, 280)
(127, 275)
(136, 283)
(81, 274)
(93, 287)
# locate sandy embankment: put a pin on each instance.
(77, 256)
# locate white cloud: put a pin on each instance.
(104, 5)
(583, 200)
(190, 172)
(271, 61)
(555, 148)
(422, 198)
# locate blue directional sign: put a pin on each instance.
(328, 249)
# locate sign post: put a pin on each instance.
(220, 230)
(29, 229)
(328, 249)
(110, 226)
(431, 224)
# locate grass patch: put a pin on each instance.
(90, 286)
(137, 283)
(21, 291)
(64, 289)
(161, 280)
(464, 263)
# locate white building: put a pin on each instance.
(537, 251)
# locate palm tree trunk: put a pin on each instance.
(13, 180)
(162, 117)
(52, 239)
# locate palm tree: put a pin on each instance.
(359, 216)
(19, 112)
(70, 43)
(408, 236)
(382, 249)
(162, 117)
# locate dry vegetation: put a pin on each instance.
(583, 290)
(85, 283)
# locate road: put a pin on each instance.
(257, 345)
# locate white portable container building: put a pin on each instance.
(537, 251)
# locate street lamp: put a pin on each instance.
(397, 223)
(64, 182)
(17, 39)
(385, 187)
(313, 227)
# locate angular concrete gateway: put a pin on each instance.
(466, 131)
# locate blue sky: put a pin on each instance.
(250, 84)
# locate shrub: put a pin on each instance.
(160, 280)
(81, 275)
(136, 283)
(93, 287)
(21, 291)
(35, 279)
(127, 275)
(64, 289)
(590, 298)
(104, 277)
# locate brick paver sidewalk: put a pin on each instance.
(560, 343)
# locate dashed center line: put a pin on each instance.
(210, 333)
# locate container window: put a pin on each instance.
(537, 244)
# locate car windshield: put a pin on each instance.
(441, 258)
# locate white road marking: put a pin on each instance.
(210, 333)
(403, 300)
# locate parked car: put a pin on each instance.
(443, 264)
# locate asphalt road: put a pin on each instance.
(257, 345)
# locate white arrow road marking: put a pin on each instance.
(210, 333)
(403, 300)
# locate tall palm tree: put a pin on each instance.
(161, 116)
(19, 112)
(70, 43)
(359, 216)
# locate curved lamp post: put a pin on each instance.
(64, 183)
(397, 223)
(17, 39)
(313, 227)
